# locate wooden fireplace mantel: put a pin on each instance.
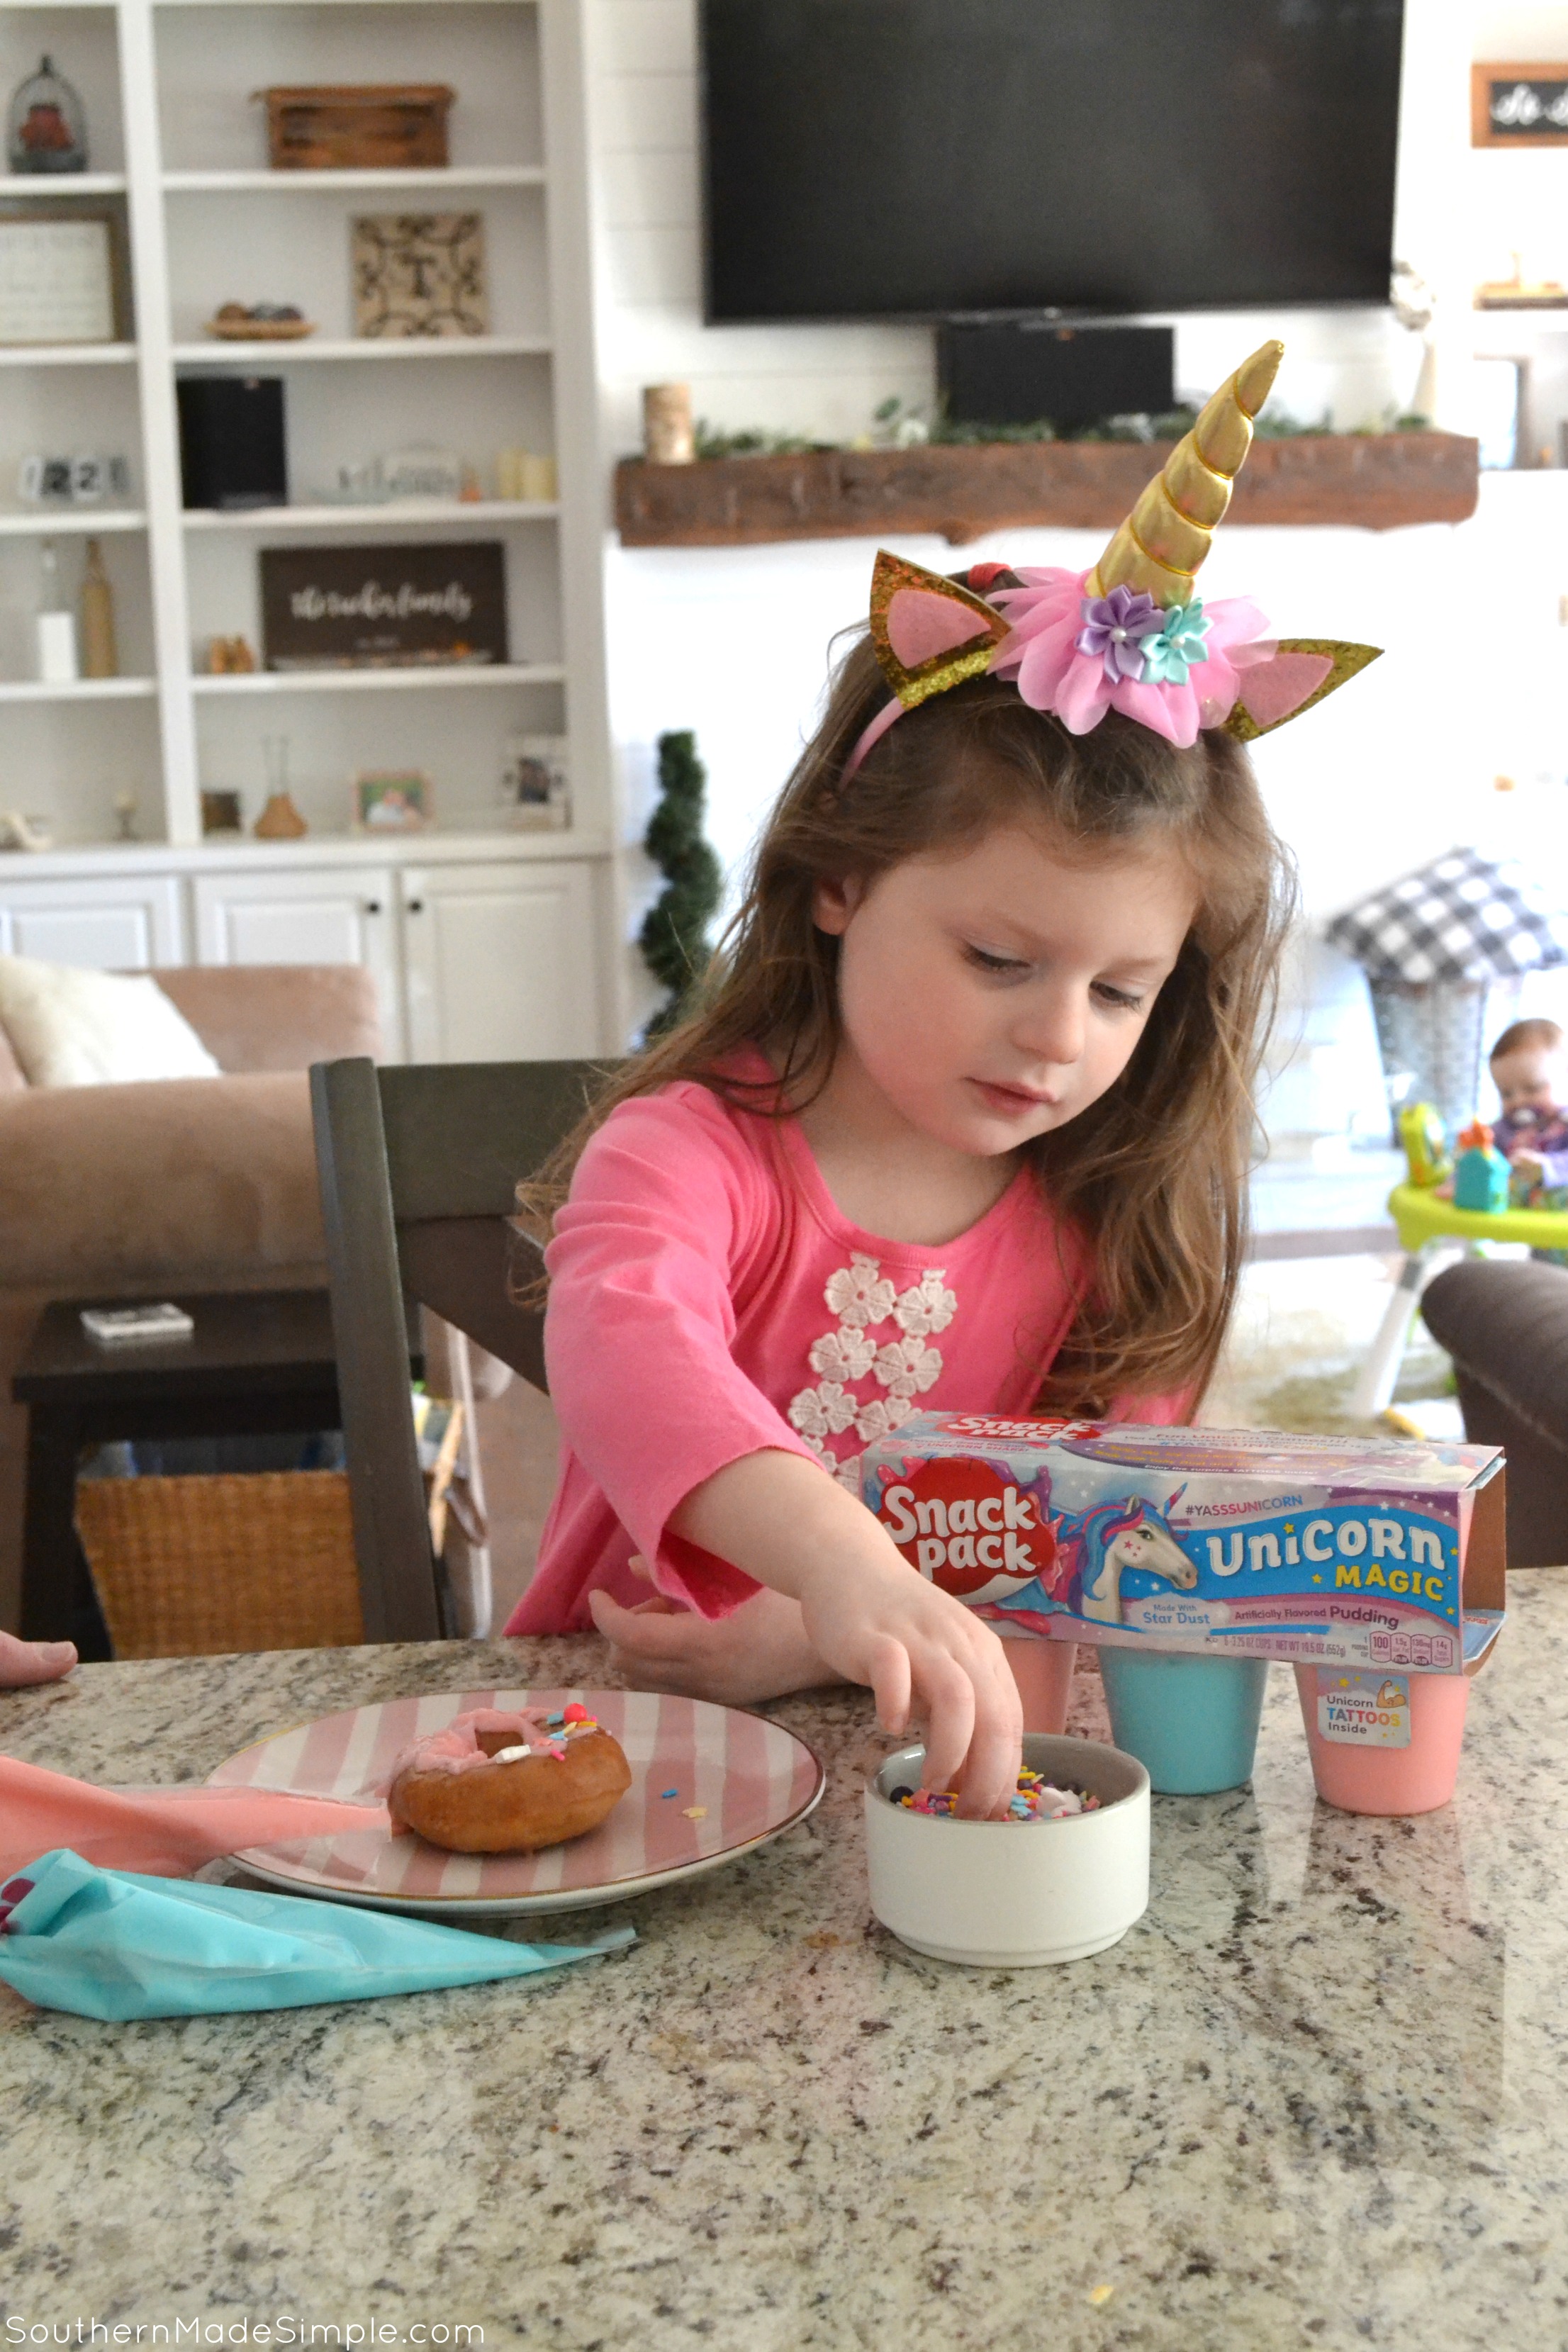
(1376, 481)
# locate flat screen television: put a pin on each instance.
(919, 158)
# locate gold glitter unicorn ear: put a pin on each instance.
(929, 633)
(1303, 672)
(1161, 546)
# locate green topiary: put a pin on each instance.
(674, 937)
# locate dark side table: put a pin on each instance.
(259, 1362)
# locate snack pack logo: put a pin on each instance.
(974, 1533)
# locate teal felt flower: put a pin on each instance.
(1168, 656)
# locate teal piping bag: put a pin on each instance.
(112, 1944)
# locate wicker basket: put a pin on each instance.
(190, 1568)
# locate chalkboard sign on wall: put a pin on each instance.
(384, 607)
(1520, 105)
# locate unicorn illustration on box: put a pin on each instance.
(1094, 1549)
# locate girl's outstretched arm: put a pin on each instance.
(868, 1615)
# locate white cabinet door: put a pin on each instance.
(349, 916)
(500, 962)
(118, 924)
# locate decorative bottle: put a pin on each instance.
(55, 625)
(98, 658)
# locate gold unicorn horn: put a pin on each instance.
(1166, 537)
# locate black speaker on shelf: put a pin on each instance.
(233, 451)
(1024, 371)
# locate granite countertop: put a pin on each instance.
(1319, 2096)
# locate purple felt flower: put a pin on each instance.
(1114, 627)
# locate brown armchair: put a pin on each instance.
(130, 1192)
(1505, 1324)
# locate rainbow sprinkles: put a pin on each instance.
(1035, 1800)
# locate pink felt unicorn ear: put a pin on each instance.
(1301, 672)
(929, 632)
(921, 626)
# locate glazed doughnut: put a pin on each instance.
(509, 1784)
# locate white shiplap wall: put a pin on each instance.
(733, 642)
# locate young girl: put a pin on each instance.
(962, 1122)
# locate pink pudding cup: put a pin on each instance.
(1043, 1672)
(1392, 1781)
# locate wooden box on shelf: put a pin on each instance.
(346, 127)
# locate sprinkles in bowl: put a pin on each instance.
(1035, 1800)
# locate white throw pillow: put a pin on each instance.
(70, 1027)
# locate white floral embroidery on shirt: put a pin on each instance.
(846, 1355)
(857, 1294)
(929, 1307)
(861, 1296)
(904, 1366)
(816, 1411)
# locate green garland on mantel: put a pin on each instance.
(674, 937)
(713, 441)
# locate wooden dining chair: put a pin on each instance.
(419, 1169)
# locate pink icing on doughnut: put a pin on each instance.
(457, 1750)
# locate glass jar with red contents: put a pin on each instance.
(47, 128)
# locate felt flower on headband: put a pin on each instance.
(1130, 635)
(1064, 658)
(1114, 628)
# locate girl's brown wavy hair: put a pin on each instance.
(1154, 1173)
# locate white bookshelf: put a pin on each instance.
(66, 522)
(451, 180)
(411, 514)
(78, 183)
(67, 355)
(80, 690)
(179, 156)
(381, 681)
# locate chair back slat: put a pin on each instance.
(386, 1490)
(460, 1135)
(418, 1170)
(465, 1270)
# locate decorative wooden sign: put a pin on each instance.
(1520, 106)
(384, 607)
(420, 274)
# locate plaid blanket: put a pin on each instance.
(1464, 916)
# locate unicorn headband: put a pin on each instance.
(1130, 635)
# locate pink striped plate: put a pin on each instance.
(745, 1780)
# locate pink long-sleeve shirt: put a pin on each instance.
(708, 1299)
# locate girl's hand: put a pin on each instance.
(869, 1616)
(760, 1651)
(922, 1653)
(22, 1663)
(1529, 1164)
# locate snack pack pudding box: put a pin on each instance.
(1373, 1565)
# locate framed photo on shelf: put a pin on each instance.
(420, 274)
(221, 812)
(535, 788)
(1520, 106)
(58, 279)
(397, 800)
(416, 607)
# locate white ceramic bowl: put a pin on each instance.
(1014, 1895)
